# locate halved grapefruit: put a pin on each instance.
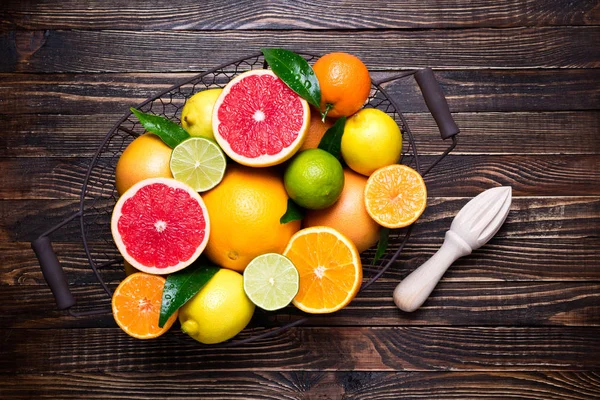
(160, 225)
(258, 120)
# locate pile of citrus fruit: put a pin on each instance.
(277, 191)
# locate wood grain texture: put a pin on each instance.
(465, 90)
(504, 259)
(450, 304)
(302, 14)
(518, 318)
(351, 385)
(146, 51)
(578, 175)
(578, 132)
(324, 349)
(536, 217)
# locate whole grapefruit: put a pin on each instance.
(316, 130)
(244, 211)
(349, 215)
(146, 157)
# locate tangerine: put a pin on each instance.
(136, 306)
(395, 196)
(345, 83)
(329, 267)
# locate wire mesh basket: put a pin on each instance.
(99, 195)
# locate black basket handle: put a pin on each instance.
(436, 102)
(53, 272)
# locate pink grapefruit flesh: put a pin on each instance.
(258, 121)
(160, 225)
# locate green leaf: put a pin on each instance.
(182, 286)
(293, 212)
(295, 72)
(384, 236)
(169, 132)
(331, 141)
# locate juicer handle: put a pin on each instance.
(436, 102)
(412, 292)
(53, 272)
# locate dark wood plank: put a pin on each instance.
(301, 14)
(145, 51)
(450, 304)
(467, 91)
(57, 135)
(351, 385)
(324, 349)
(538, 217)
(551, 175)
(505, 259)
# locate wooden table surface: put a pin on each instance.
(519, 318)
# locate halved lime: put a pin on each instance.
(271, 281)
(198, 162)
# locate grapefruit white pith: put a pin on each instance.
(160, 225)
(258, 120)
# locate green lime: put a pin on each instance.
(199, 163)
(271, 281)
(314, 179)
(196, 116)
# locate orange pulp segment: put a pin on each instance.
(395, 196)
(136, 306)
(329, 267)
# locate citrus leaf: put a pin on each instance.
(182, 286)
(384, 236)
(293, 213)
(168, 131)
(331, 141)
(295, 72)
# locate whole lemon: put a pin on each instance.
(348, 215)
(196, 116)
(314, 179)
(219, 311)
(146, 157)
(244, 211)
(371, 140)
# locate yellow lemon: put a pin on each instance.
(196, 116)
(219, 311)
(371, 140)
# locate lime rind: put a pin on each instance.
(198, 162)
(271, 281)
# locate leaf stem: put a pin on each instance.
(328, 108)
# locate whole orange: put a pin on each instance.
(348, 215)
(345, 83)
(316, 130)
(146, 157)
(244, 212)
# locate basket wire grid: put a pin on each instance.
(98, 194)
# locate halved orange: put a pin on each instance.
(329, 267)
(136, 306)
(395, 196)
